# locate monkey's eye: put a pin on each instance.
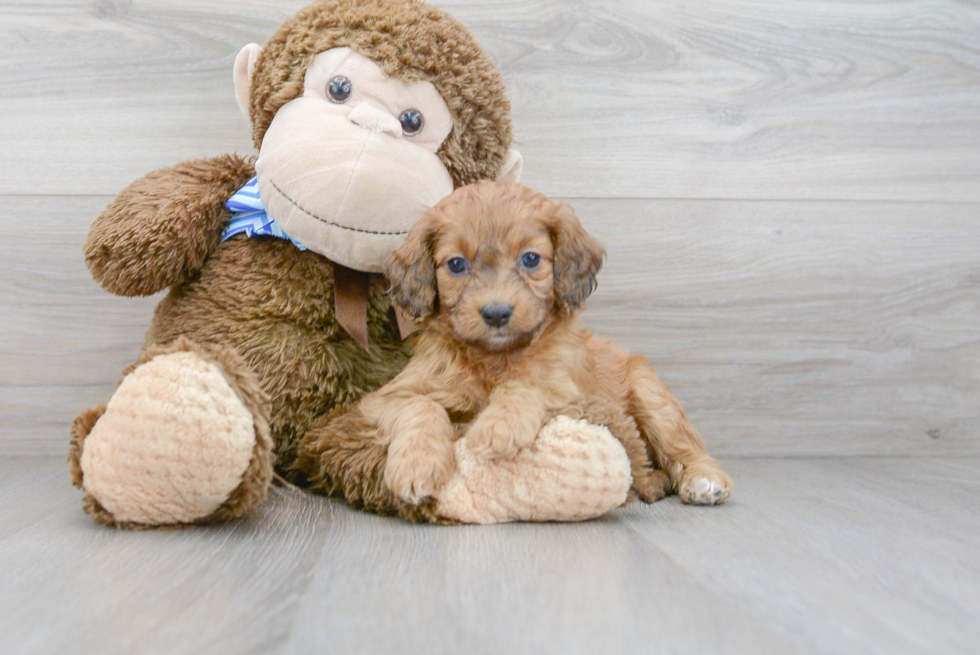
(412, 122)
(339, 89)
(458, 266)
(530, 260)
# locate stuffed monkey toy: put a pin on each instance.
(365, 113)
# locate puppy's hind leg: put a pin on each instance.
(677, 446)
(650, 484)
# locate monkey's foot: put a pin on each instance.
(184, 439)
(573, 471)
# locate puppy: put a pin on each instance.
(496, 274)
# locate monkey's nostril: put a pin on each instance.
(496, 314)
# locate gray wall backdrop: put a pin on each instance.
(789, 194)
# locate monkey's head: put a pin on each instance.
(366, 113)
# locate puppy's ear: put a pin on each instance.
(578, 258)
(412, 273)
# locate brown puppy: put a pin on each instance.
(498, 272)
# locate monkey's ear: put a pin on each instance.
(411, 272)
(510, 170)
(244, 67)
(578, 258)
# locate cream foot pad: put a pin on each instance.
(574, 471)
(173, 444)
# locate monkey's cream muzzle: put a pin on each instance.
(342, 178)
(361, 191)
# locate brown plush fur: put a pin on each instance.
(80, 428)
(411, 41)
(161, 228)
(262, 298)
(514, 377)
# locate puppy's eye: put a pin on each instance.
(412, 122)
(339, 90)
(530, 260)
(458, 266)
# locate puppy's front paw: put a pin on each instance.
(417, 468)
(495, 435)
(704, 484)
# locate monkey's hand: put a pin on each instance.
(161, 228)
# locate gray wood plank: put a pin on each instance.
(844, 556)
(525, 589)
(722, 99)
(785, 328)
(802, 328)
(63, 340)
(68, 585)
(840, 555)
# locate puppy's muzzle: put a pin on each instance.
(496, 314)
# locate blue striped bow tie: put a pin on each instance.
(248, 216)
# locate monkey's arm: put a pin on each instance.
(161, 228)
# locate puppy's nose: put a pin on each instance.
(496, 314)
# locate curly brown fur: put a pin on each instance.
(162, 227)
(517, 374)
(411, 41)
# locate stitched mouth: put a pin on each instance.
(331, 223)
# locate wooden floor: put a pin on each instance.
(834, 555)
(790, 197)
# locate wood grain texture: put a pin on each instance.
(846, 555)
(528, 588)
(65, 584)
(785, 328)
(802, 328)
(789, 194)
(825, 556)
(667, 99)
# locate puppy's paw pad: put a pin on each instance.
(414, 478)
(410, 486)
(705, 491)
(416, 492)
